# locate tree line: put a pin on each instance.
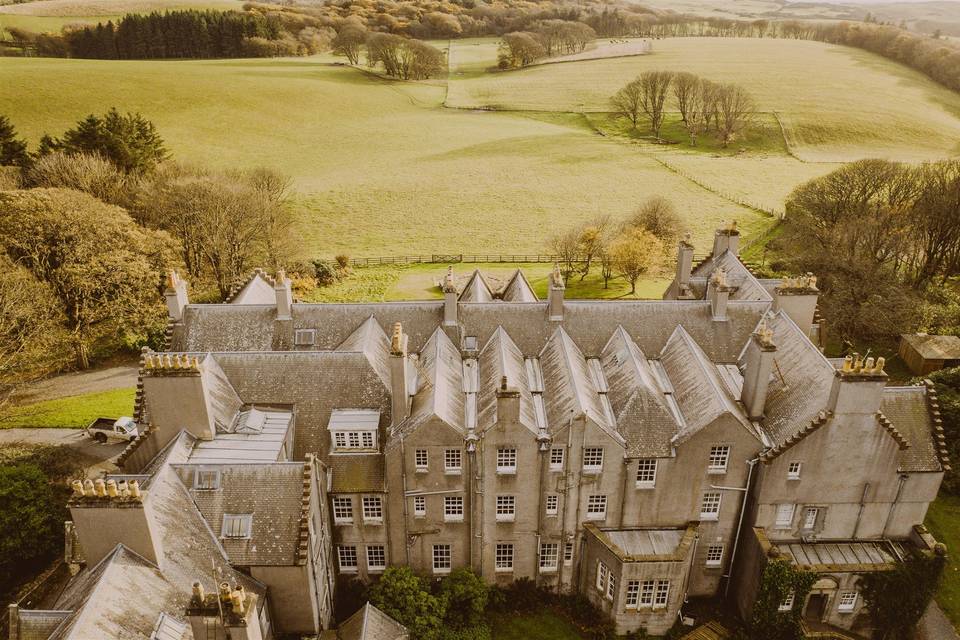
(544, 38)
(703, 105)
(91, 221)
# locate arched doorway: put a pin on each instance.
(818, 600)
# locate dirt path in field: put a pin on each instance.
(73, 384)
(934, 625)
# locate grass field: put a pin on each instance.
(538, 626)
(836, 103)
(943, 520)
(52, 15)
(71, 412)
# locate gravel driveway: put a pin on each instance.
(78, 383)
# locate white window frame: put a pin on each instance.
(206, 479)
(709, 499)
(376, 550)
(611, 586)
(847, 601)
(442, 558)
(793, 470)
(353, 439)
(551, 504)
(341, 504)
(714, 555)
(632, 598)
(506, 508)
(567, 554)
(503, 557)
(593, 502)
(421, 460)
(507, 461)
(787, 604)
(592, 459)
(236, 526)
(419, 506)
(647, 588)
(557, 457)
(304, 337)
(661, 597)
(719, 459)
(372, 509)
(452, 461)
(453, 508)
(808, 524)
(345, 551)
(602, 573)
(646, 473)
(781, 521)
(549, 556)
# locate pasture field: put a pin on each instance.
(51, 15)
(836, 103)
(380, 167)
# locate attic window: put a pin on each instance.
(251, 421)
(206, 479)
(236, 525)
(304, 337)
(470, 343)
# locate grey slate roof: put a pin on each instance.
(477, 289)
(123, 595)
(258, 289)
(39, 625)
(518, 289)
(272, 493)
(569, 389)
(440, 393)
(931, 347)
(370, 340)
(500, 357)
(356, 473)
(744, 285)
(839, 554)
(906, 408)
(369, 623)
(646, 542)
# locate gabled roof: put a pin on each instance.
(699, 391)
(801, 381)
(518, 289)
(259, 288)
(643, 416)
(369, 623)
(440, 395)
(371, 340)
(476, 289)
(569, 389)
(501, 358)
(907, 410)
(743, 284)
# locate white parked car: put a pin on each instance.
(103, 429)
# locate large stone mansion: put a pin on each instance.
(639, 452)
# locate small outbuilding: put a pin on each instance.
(924, 353)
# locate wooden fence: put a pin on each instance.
(462, 258)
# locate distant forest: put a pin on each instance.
(262, 30)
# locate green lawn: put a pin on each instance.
(419, 282)
(71, 412)
(943, 520)
(536, 626)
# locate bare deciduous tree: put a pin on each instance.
(685, 86)
(350, 40)
(735, 109)
(626, 103)
(653, 93)
(658, 216)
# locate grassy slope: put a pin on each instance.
(943, 520)
(72, 412)
(837, 103)
(381, 167)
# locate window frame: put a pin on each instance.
(647, 589)
(718, 452)
(713, 557)
(418, 512)
(843, 607)
(779, 523)
(342, 520)
(558, 456)
(500, 560)
(794, 474)
(591, 503)
(602, 572)
(662, 592)
(643, 467)
(201, 486)
(447, 468)
(787, 604)
(631, 598)
(425, 465)
(443, 553)
(376, 568)
(451, 505)
(551, 505)
(350, 548)
(593, 460)
(506, 507)
(806, 525)
(376, 506)
(298, 342)
(549, 551)
(506, 454)
(352, 439)
(243, 520)
(567, 554)
(710, 516)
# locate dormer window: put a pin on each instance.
(470, 343)
(236, 525)
(206, 479)
(304, 337)
(353, 430)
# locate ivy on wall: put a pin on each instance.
(779, 579)
(898, 598)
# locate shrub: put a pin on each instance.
(466, 596)
(325, 273)
(342, 260)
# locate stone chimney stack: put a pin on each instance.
(858, 386)
(718, 293)
(229, 614)
(555, 294)
(284, 292)
(758, 365)
(797, 297)
(108, 513)
(684, 266)
(176, 295)
(450, 302)
(508, 403)
(726, 239)
(399, 376)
